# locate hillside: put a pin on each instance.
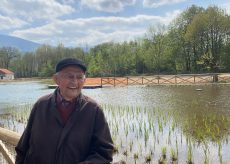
(22, 44)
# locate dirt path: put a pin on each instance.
(93, 81)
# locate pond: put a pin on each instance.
(149, 124)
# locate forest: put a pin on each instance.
(197, 41)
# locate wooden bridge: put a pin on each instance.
(8, 141)
(181, 79)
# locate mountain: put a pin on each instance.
(21, 44)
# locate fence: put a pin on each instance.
(8, 141)
(167, 79)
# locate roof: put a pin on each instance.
(5, 71)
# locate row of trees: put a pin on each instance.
(197, 41)
(37, 64)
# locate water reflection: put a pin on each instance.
(21, 93)
(212, 97)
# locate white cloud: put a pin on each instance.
(226, 7)
(31, 10)
(67, 1)
(171, 15)
(112, 6)
(157, 3)
(10, 23)
(95, 37)
(93, 30)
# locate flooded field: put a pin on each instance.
(158, 124)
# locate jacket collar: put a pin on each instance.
(80, 104)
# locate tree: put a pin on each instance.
(208, 33)
(156, 45)
(25, 65)
(225, 57)
(7, 54)
(185, 49)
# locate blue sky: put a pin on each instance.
(90, 22)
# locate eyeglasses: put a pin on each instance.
(72, 76)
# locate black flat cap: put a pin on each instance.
(68, 62)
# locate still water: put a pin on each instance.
(211, 97)
(146, 119)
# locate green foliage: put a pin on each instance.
(225, 56)
(47, 70)
(96, 65)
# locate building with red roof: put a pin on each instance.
(6, 74)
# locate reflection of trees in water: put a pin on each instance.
(204, 115)
(203, 125)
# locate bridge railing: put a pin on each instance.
(167, 79)
(8, 141)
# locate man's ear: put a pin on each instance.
(85, 78)
(55, 79)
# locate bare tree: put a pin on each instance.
(6, 55)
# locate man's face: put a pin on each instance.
(70, 81)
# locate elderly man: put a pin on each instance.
(66, 127)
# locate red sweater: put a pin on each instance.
(64, 107)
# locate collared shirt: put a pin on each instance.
(65, 107)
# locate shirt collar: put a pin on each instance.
(60, 99)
